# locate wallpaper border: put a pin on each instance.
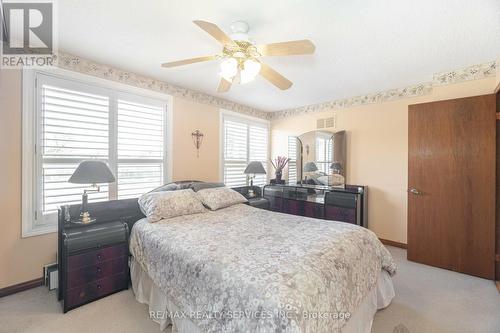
(474, 72)
(89, 67)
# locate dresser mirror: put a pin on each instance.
(321, 158)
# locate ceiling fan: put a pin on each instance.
(240, 57)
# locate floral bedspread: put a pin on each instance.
(243, 269)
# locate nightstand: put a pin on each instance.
(256, 200)
(93, 261)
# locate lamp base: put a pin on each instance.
(80, 222)
(84, 219)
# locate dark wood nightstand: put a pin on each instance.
(93, 261)
(256, 200)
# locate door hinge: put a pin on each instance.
(36, 215)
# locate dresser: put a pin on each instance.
(93, 261)
(347, 204)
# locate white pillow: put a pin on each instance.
(164, 205)
(220, 197)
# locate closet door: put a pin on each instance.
(451, 180)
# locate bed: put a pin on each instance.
(244, 269)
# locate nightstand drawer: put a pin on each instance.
(91, 291)
(99, 271)
(97, 256)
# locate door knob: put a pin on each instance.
(414, 191)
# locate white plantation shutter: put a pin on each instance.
(324, 154)
(140, 148)
(320, 153)
(235, 153)
(258, 136)
(74, 127)
(74, 122)
(292, 155)
(243, 141)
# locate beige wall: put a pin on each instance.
(189, 116)
(377, 149)
(21, 259)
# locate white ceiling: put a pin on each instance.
(362, 46)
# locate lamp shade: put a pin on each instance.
(92, 172)
(310, 167)
(336, 166)
(255, 168)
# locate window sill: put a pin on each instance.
(39, 230)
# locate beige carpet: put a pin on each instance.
(427, 300)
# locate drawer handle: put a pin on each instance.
(99, 270)
(99, 257)
(98, 286)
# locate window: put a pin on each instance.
(73, 122)
(244, 140)
(292, 155)
(324, 149)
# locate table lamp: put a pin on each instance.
(310, 167)
(93, 173)
(254, 168)
(336, 167)
(337, 178)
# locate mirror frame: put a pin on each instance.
(339, 149)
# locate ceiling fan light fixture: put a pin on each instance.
(229, 68)
(240, 56)
(251, 68)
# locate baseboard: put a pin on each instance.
(393, 243)
(21, 287)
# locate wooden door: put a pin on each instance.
(497, 256)
(451, 180)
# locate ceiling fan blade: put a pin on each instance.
(274, 77)
(187, 61)
(214, 31)
(224, 85)
(294, 47)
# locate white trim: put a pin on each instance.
(31, 225)
(98, 82)
(28, 205)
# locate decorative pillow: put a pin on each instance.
(220, 197)
(201, 186)
(164, 205)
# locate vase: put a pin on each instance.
(278, 175)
